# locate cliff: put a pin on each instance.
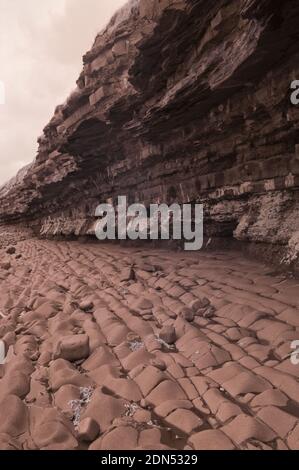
(178, 100)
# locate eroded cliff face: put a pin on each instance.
(178, 100)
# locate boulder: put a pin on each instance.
(72, 348)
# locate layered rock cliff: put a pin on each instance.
(178, 100)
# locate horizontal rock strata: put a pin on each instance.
(178, 100)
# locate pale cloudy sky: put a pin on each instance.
(41, 48)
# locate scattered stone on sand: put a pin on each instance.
(168, 334)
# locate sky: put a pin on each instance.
(41, 47)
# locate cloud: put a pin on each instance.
(41, 48)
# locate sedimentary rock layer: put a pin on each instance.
(178, 100)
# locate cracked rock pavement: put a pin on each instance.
(110, 347)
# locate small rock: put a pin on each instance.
(6, 265)
(172, 315)
(11, 250)
(72, 348)
(86, 305)
(168, 334)
(88, 430)
(199, 304)
(187, 314)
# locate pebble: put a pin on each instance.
(187, 314)
(168, 334)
